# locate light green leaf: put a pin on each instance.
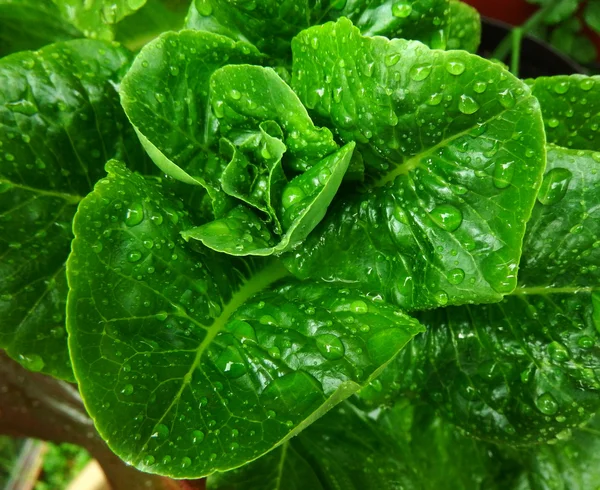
(166, 97)
(304, 202)
(61, 120)
(453, 147)
(526, 370)
(95, 18)
(191, 361)
(571, 109)
(31, 24)
(465, 27)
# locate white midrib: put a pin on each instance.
(254, 285)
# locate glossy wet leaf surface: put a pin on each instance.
(453, 153)
(526, 370)
(571, 108)
(384, 450)
(465, 27)
(95, 18)
(191, 361)
(61, 120)
(30, 24)
(270, 25)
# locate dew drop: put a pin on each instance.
(586, 85)
(235, 94)
(467, 105)
(127, 390)
(291, 195)
(558, 352)
(359, 307)
(161, 432)
(162, 316)
(447, 217)
(392, 59)
(33, 362)
(561, 87)
(547, 404)
(134, 256)
(135, 214)
(456, 276)
(553, 123)
(185, 462)
(554, 186)
(197, 436)
(586, 342)
(420, 72)
(231, 363)
(507, 99)
(455, 67)
(435, 99)
(504, 173)
(401, 10)
(330, 347)
(480, 87)
(441, 297)
(149, 460)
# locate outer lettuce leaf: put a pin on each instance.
(401, 448)
(95, 18)
(61, 120)
(31, 24)
(271, 24)
(569, 465)
(453, 147)
(465, 27)
(571, 108)
(191, 361)
(526, 370)
(422, 20)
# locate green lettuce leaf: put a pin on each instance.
(96, 18)
(420, 20)
(571, 110)
(570, 465)
(31, 24)
(465, 27)
(526, 370)
(271, 24)
(61, 120)
(453, 148)
(384, 450)
(191, 361)
(252, 131)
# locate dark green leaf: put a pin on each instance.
(403, 448)
(61, 120)
(95, 18)
(192, 361)
(154, 18)
(465, 27)
(31, 24)
(271, 24)
(569, 465)
(570, 38)
(453, 146)
(421, 20)
(592, 15)
(571, 109)
(558, 10)
(528, 369)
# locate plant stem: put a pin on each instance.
(517, 38)
(535, 20)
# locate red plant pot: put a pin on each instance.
(514, 12)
